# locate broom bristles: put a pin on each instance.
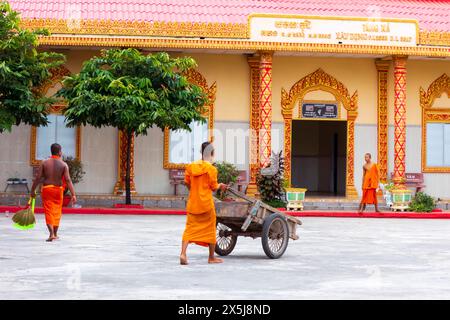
(24, 219)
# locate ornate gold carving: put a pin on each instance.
(399, 121)
(57, 76)
(320, 80)
(255, 124)
(139, 28)
(186, 29)
(429, 114)
(243, 45)
(434, 38)
(120, 186)
(265, 108)
(198, 79)
(382, 111)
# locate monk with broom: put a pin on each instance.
(201, 180)
(53, 173)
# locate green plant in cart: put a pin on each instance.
(422, 203)
(270, 181)
(226, 173)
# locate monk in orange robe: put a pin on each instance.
(201, 180)
(54, 174)
(370, 184)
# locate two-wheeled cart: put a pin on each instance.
(249, 217)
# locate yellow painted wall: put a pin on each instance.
(231, 73)
(420, 73)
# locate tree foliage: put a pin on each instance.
(133, 92)
(22, 70)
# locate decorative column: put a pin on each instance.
(399, 121)
(254, 164)
(351, 192)
(119, 188)
(265, 110)
(382, 110)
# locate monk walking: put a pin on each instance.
(370, 184)
(53, 173)
(201, 180)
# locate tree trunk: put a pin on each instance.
(128, 174)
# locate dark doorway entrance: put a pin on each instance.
(319, 156)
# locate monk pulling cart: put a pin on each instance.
(249, 217)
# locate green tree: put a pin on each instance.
(22, 69)
(133, 92)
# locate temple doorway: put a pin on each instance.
(319, 156)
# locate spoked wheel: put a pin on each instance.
(225, 241)
(275, 236)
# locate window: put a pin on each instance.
(55, 132)
(438, 145)
(185, 145)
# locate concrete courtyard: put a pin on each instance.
(136, 257)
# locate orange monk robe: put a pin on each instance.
(201, 177)
(370, 185)
(52, 200)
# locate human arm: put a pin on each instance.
(69, 183)
(37, 181)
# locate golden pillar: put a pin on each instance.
(255, 124)
(265, 108)
(399, 121)
(119, 188)
(382, 111)
(351, 192)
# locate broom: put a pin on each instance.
(25, 219)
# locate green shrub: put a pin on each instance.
(422, 203)
(226, 173)
(276, 203)
(75, 170)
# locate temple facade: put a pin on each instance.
(323, 82)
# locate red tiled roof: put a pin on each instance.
(432, 15)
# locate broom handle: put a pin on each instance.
(33, 201)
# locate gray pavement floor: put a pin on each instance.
(137, 257)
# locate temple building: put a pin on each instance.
(323, 81)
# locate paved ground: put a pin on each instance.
(136, 257)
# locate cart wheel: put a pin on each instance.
(275, 236)
(225, 243)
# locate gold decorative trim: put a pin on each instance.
(434, 38)
(194, 29)
(320, 80)
(139, 28)
(254, 163)
(241, 45)
(198, 79)
(120, 186)
(382, 113)
(429, 114)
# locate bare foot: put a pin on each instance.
(183, 260)
(50, 239)
(215, 260)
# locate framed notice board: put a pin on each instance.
(319, 110)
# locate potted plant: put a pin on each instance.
(76, 175)
(227, 173)
(422, 202)
(387, 194)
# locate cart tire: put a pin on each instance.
(275, 236)
(224, 244)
